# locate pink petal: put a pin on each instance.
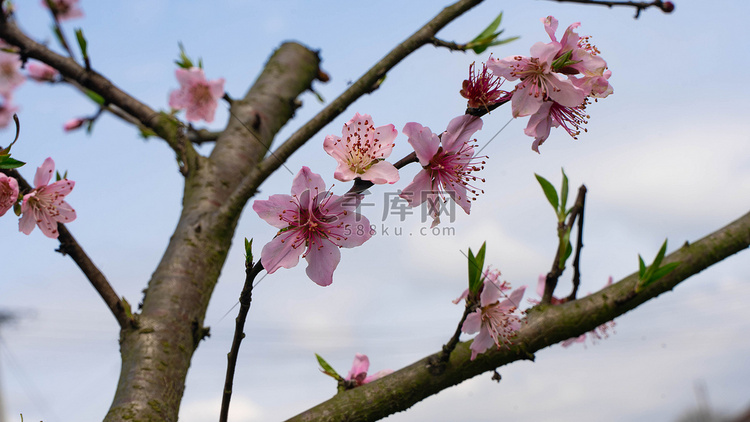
(459, 131)
(491, 293)
(381, 173)
(61, 187)
(524, 101)
(417, 191)
(270, 210)
(306, 179)
(424, 142)
(459, 196)
(481, 343)
(280, 252)
(550, 25)
(322, 259)
(473, 322)
(44, 173)
(360, 365)
(565, 92)
(377, 375)
(27, 222)
(502, 67)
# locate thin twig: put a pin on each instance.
(439, 361)
(562, 227)
(450, 45)
(245, 299)
(164, 126)
(665, 6)
(69, 246)
(579, 243)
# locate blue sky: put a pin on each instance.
(666, 156)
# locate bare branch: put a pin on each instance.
(69, 246)
(166, 127)
(665, 6)
(547, 325)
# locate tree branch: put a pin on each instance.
(362, 86)
(546, 325)
(166, 127)
(665, 6)
(69, 246)
(245, 298)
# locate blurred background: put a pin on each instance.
(666, 156)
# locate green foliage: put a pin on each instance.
(488, 37)
(184, 61)
(327, 369)
(476, 264)
(83, 45)
(655, 271)
(248, 252)
(549, 192)
(94, 97)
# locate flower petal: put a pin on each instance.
(280, 252)
(44, 173)
(381, 173)
(322, 259)
(459, 131)
(306, 179)
(424, 142)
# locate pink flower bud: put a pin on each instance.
(73, 124)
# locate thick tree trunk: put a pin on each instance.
(156, 354)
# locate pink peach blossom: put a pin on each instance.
(10, 73)
(539, 81)
(198, 96)
(482, 89)
(8, 193)
(64, 9)
(41, 72)
(313, 221)
(358, 373)
(552, 114)
(493, 319)
(361, 151)
(45, 206)
(447, 165)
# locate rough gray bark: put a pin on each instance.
(156, 355)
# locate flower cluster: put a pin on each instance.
(44, 205)
(314, 223)
(556, 83)
(197, 95)
(495, 317)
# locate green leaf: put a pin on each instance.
(476, 264)
(564, 195)
(326, 368)
(6, 151)
(82, 43)
(641, 267)
(549, 192)
(662, 271)
(184, 61)
(248, 252)
(489, 32)
(7, 163)
(94, 96)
